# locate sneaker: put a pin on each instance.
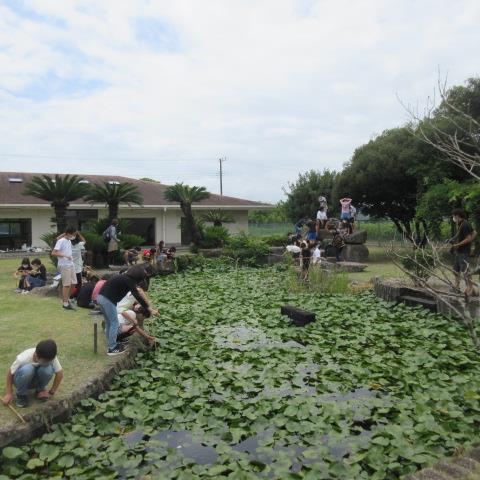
(25, 291)
(117, 350)
(18, 290)
(21, 401)
(69, 307)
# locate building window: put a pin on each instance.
(145, 227)
(80, 218)
(15, 232)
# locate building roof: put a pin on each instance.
(12, 185)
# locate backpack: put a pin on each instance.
(107, 235)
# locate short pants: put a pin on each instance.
(69, 276)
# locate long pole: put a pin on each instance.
(220, 161)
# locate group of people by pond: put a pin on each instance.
(123, 299)
(308, 244)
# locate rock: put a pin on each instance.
(324, 235)
(349, 267)
(355, 253)
(359, 237)
(48, 291)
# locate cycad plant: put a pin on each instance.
(186, 195)
(217, 217)
(59, 191)
(112, 194)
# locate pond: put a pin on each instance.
(234, 390)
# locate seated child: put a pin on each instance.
(130, 256)
(38, 274)
(33, 369)
(22, 272)
(322, 218)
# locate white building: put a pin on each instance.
(23, 219)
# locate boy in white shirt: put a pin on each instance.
(33, 369)
(317, 255)
(63, 251)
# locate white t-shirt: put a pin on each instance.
(26, 357)
(77, 250)
(124, 305)
(64, 245)
(322, 215)
(317, 253)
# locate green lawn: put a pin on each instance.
(26, 319)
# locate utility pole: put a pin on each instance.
(220, 161)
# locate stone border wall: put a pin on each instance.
(55, 411)
(460, 468)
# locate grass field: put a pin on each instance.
(26, 319)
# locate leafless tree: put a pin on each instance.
(433, 275)
(450, 130)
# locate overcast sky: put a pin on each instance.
(164, 88)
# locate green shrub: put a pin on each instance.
(187, 262)
(129, 240)
(277, 240)
(214, 237)
(95, 242)
(246, 250)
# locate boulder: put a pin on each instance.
(359, 237)
(324, 235)
(349, 267)
(48, 291)
(355, 253)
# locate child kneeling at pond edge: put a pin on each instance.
(33, 369)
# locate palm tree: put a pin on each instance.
(185, 196)
(59, 191)
(113, 194)
(217, 217)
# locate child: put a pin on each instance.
(338, 243)
(130, 257)
(306, 254)
(161, 254)
(33, 369)
(312, 233)
(317, 255)
(66, 267)
(23, 271)
(345, 203)
(321, 218)
(129, 315)
(38, 274)
(111, 293)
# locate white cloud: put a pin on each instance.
(282, 85)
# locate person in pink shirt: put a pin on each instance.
(96, 290)
(345, 203)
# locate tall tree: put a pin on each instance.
(186, 195)
(379, 180)
(59, 191)
(302, 195)
(113, 194)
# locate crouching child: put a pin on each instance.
(32, 370)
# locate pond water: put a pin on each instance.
(234, 389)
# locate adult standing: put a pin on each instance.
(111, 234)
(322, 203)
(111, 293)
(63, 251)
(461, 248)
